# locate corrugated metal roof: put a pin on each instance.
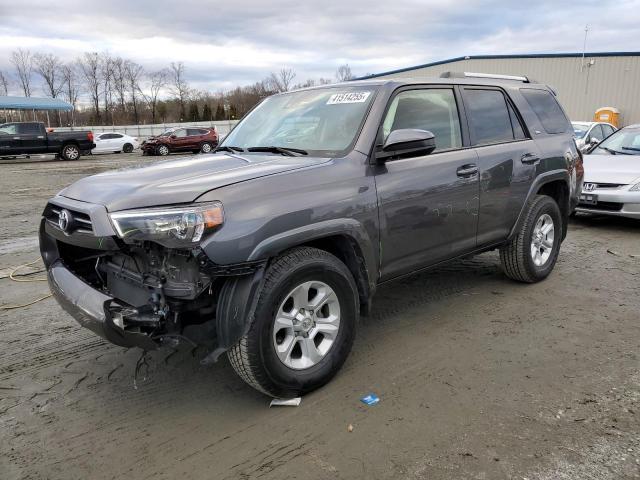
(31, 103)
(497, 57)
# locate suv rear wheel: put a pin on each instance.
(531, 255)
(303, 327)
(206, 147)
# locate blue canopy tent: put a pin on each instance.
(21, 104)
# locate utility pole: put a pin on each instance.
(584, 46)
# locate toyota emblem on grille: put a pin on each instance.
(64, 220)
(589, 187)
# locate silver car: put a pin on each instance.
(589, 134)
(612, 176)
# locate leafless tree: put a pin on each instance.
(119, 80)
(133, 73)
(282, 81)
(23, 63)
(4, 84)
(107, 65)
(157, 81)
(48, 66)
(343, 73)
(178, 85)
(89, 65)
(71, 87)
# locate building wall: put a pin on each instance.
(609, 82)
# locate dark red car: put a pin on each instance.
(184, 139)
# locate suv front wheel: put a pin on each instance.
(303, 326)
(531, 255)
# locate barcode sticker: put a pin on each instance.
(350, 97)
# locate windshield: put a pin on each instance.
(580, 129)
(322, 121)
(625, 141)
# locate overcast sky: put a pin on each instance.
(237, 42)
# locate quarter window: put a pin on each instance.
(489, 116)
(546, 108)
(434, 110)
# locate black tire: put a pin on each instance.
(206, 147)
(127, 148)
(254, 358)
(162, 150)
(516, 256)
(69, 152)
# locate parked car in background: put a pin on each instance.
(272, 249)
(612, 176)
(589, 134)
(32, 138)
(114, 142)
(184, 139)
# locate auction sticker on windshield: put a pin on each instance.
(350, 97)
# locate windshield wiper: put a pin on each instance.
(633, 149)
(614, 152)
(226, 148)
(289, 152)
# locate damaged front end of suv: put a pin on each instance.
(139, 278)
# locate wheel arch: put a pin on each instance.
(345, 238)
(555, 184)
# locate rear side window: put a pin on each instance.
(29, 128)
(192, 132)
(546, 108)
(489, 116)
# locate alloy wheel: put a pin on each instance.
(306, 325)
(542, 241)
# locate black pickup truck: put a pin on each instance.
(31, 138)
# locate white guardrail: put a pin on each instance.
(142, 132)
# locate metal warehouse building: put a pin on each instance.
(606, 79)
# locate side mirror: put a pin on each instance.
(594, 141)
(407, 141)
(172, 137)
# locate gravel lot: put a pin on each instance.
(479, 377)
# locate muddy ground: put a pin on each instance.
(479, 377)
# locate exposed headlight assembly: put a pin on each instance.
(173, 227)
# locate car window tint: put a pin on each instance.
(518, 131)
(434, 110)
(192, 132)
(546, 108)
(106, 136)
(116, 135)
(204, 132)
(489, 116)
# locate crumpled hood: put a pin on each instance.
(178, 181)
(622, 169)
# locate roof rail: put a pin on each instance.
(517, 78)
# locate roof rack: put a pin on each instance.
(517, 78)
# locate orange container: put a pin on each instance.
(609, 115)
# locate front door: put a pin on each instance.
(428, 203)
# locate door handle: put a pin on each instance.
(16, 138)
(529, 158)
(467, 170)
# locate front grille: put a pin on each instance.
(79, 222)
(609, 185)
(609, 206)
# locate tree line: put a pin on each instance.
(106, 89)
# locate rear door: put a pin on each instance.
(507, 159)
(33, 138)
(428, 204)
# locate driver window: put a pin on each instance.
(434, 110)
(180, 133)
